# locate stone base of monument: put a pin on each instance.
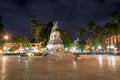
(60, 55)
(57, 55)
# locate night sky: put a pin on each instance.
(69, 13)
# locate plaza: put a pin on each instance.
(87, 67)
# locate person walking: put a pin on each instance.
(45, 52)
(76, 55)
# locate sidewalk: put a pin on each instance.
(38, 68)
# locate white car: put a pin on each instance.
(30, 54)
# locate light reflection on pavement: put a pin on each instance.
(87, 67)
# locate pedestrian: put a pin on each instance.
(45, 52)
(76, 55)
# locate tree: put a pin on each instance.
(116, 22)
(80, 32)
(45, 33)
(2, 31)
(1, 25)
(108, 32)
(94, 33)
(98, 39)
(116, 19)
(90, 29)
(20, 41)
(81, 45)
(66, 38)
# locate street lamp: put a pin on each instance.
(5, 46)
(110, 47)
(6, 37)
(99, 47)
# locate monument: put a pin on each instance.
(55, 44)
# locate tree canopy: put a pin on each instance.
(2, 31)
(20, 41)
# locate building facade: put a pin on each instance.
(34, 30)
(112, 42)
(34, 47)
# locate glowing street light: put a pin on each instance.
(93, 48)
(111, 47)
(99, 47)
(5, 45)
(6, 37)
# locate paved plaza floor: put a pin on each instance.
(87, 67)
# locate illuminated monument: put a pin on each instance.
(55, 44)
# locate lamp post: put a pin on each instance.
(6, 37)
(5, 46)
(93, 48)
(99, 48)
(110, 47)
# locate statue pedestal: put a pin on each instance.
(63, 56)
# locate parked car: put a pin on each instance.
(30, 54)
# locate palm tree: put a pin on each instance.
(116, 21)
(81, 45)
(91, 30)
(94, 33)
(100, 36)
(1, 25)
(108, 32)
(80, 32)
